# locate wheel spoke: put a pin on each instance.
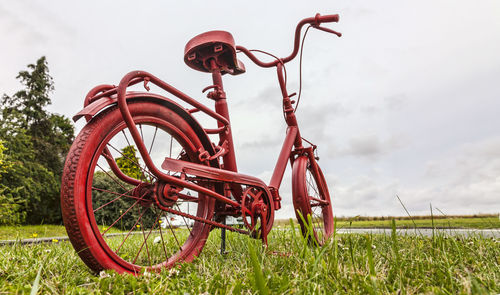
(173, 233)
(116, 181)
(145, 239)
(153, 140)
(126, 138)
(114, 200)
(128, 234)
(311, 184)
(123, 214)
(187, 226)
(162, 240)
(143, 169)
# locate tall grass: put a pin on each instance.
(348, 263)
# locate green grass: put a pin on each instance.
(19, 232)
(489, 221)
(480, 223)
(355, 264)
(31, 231)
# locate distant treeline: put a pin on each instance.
(440, 216)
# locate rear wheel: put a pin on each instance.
(117, 222)
(311, 198)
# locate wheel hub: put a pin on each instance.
(166, 195)
(144, 193)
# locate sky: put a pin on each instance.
(405, 104)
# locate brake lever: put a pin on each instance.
(328, 30)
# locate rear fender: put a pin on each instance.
(94, 108)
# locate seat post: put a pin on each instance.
(221, 108)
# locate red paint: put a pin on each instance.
(201, 173)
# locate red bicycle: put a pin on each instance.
(129, 212)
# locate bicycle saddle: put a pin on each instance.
(218, 45)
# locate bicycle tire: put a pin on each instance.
(311, 198)
(80, 196)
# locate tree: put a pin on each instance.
(9, 207)
(4, 164)
(128, 163)
(51, 134)
(37, 143)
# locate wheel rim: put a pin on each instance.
(147, 236)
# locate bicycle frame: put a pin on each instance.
(105, 95)
(195, 170)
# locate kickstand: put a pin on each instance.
(223, 238)
(263, 221)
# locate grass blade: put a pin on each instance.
(432, 220)
(404, 207)
(260, 282)
(36, 283)
(369, 252)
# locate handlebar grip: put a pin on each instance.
(326, 18)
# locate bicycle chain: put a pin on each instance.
(206, 221)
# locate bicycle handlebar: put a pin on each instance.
(331, 18)
(314, 21)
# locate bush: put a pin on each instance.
(9, 208)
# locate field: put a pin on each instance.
(480, 221)
(34, 231)
(355, 264)
(484, 221)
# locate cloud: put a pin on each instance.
(317, 120)
(368, 146)
(389, 103)
(396, 101)
(22, 30)
(464, 181)
(468, 177)
(365, 195)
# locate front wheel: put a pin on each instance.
(311, 198)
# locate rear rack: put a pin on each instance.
(136, 77)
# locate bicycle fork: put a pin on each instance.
(292, 140)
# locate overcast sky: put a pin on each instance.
(406, 103)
